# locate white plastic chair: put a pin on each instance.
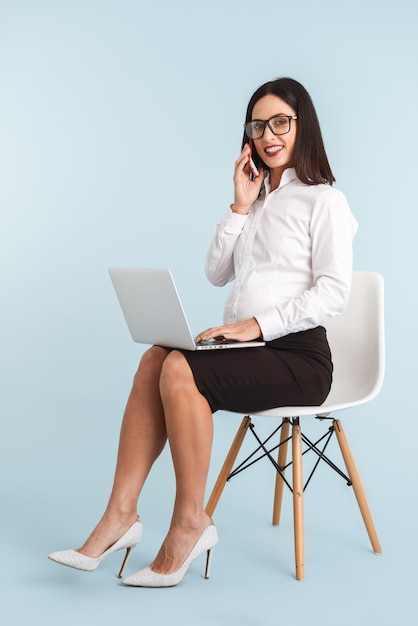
(357, 344)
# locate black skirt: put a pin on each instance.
(295, 370)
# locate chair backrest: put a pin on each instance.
(357, 343)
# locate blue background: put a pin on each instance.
(119, 125)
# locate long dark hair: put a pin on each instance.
(309, 156)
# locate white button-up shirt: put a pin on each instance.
(291, 257)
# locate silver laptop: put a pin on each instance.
(154, 313)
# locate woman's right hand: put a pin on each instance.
(246, 191)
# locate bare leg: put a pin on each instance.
(189, 425)
(142, 438)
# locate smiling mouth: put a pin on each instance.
(273, 150)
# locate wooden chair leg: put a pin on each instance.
(298, 499)
(227, 466)
(357, 486)
(281, 462)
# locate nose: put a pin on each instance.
(268, 133)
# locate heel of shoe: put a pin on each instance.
(125, 560)
(208, 562)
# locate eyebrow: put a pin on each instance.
(258, 119)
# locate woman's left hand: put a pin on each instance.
(241, 331)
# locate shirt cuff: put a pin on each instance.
(233, 223)
(271, 324)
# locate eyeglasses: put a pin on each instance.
(278, 124)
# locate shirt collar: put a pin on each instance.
(288, 176)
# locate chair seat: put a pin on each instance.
(300, 411)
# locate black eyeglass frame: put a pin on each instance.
(267, 123)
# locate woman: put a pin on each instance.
(286, 241)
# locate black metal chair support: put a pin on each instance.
(310, 447)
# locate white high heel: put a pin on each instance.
(147, 578)
(75, 559)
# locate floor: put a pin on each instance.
(50, 504)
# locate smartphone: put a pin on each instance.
(254, 170)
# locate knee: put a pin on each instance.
(175, 374)
(150, 365)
